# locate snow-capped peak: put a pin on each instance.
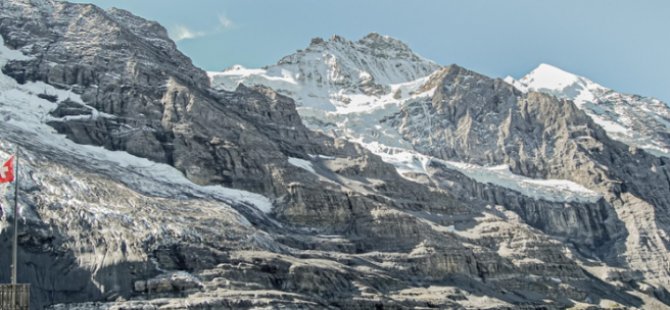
(556, 81)
(385, 60)
(637, 121)
(549, 77)
(338, 74)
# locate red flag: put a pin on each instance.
(7, 171)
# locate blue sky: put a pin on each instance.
(623, 45)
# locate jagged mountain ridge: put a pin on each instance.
(337, 70)
(344, 229)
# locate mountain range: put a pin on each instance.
(350, 174)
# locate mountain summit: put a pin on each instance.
(330, 74)
(549, 78)
(635, 120)
(382, 59)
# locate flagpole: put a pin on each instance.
(16, 221)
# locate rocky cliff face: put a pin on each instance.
(485, 121)
(155, 104)
(144, 188)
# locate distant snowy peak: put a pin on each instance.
(382, 43)
(635, 120)
(560, 83)
(338, 74)
(549, 77)
(374, 58)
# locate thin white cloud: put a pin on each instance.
(181, 32)
(225, 22)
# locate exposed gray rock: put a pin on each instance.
(487, 121)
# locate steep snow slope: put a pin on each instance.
(90, 218)
(26, 113)
(635, 120)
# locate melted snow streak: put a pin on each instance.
(24, 119)
(302, 164)
(637, 121)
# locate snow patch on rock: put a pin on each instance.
(548, 190)
(302, 164)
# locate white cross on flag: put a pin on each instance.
(7, 171)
